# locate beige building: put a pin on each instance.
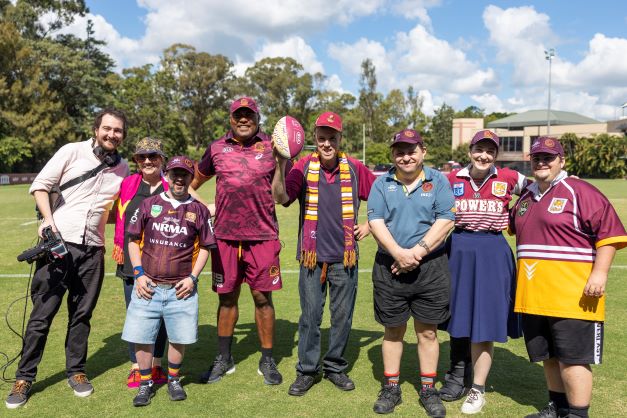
(517, 132)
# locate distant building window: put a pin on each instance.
(511, 143)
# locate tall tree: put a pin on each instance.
(368, 97)
(439, 144)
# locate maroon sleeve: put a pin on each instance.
(136, 225)
(295, 180)
(598, 215)
(366, 178)
(205, 165)
(205, 228)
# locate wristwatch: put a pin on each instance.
(194, 278)
(424, 245)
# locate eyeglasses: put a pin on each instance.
(546, 159)
(143, 157)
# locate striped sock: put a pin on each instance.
(427, 380)
(173, 370)
(391, 379)
(146, 376)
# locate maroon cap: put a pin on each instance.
(408, 136)
(181, 161)
(547, 145)
(330, 119)
(244, 102)
(486, 134)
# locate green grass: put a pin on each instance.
(515, 386)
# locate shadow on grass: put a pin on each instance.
(512, 376)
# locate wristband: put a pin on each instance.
(138, 271)
(194, 278)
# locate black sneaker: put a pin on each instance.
(267, 369)
(340, 380)
(176, 391)
(301, 385)
(144, 394)
(80, 384)
(389, 398)
(453, 388)
(219, 368)
(19, 394)
(550, 411)
(430, 400)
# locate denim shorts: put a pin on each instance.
(143, 317)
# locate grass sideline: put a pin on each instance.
(515, 387)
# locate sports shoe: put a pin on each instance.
(340, 380)
(133, 379)
(454, 388)
(474, 402)
(176, 391)
(301, 385)
(219, 368)
(144, 394)
(19, 394)
(267, 369)
(158, 375)
(389, 397)
(549, 411)
(430, 400)
(80, 384)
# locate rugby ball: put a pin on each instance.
(288, 137)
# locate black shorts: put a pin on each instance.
(571, 341)
(423, 292)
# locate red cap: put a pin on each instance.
(244, 102)
(330, 119)
(181, 161)
(547, 145)
(486, 134)
(408, 136)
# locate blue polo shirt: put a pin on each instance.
(408, 216)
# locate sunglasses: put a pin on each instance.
(143, 157)
(547, 159)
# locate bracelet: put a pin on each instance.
(138, 271)
(424, 245)
(194, 278)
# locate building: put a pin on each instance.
(517, 132)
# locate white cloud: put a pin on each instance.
(489, 102)
(416, 9)
(294, 47)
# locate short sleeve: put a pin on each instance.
(205, 166)
(376, 201)
(444, 200)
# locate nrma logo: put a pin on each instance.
(169, 230)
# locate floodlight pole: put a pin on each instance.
(548, 55)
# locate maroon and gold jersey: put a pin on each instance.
(484, 207)
(171, 233)
(557, 234)
(244, 204)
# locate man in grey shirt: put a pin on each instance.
(81, 220)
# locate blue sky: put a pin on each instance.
(486, 54)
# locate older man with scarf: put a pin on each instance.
(329, 186)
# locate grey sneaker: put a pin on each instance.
(389, 397)
(430, 400)
(219, 368)
(144, 394)
(267, 369)
(81, 385)
(176, 391)
(19, 394)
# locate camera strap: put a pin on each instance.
(89, 174)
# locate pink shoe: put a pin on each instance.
(133, 379)
(158, 375)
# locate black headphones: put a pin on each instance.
(111, 159)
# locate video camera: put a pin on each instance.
(52, 246)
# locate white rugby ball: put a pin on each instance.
(288, 137)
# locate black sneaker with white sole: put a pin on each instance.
(19, 394)
(219, 368)
(267, 369)
(81, 385)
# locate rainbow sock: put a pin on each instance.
(146, 376)
(391, 379)
(427, 380)
(173, 370)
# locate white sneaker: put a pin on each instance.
(474, 402)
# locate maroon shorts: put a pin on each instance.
(253, 262)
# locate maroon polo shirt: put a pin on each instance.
(330, 229)
(244, 204)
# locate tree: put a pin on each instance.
(439, 143)
(416, 119)
(369, 98)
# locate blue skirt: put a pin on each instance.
(483, 286)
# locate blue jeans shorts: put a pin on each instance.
(143, 317)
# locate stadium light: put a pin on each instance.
(548, 55)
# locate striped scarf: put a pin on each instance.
(308, 249)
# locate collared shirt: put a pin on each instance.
(244, 204)
(484, 207)
(410, 216)
(330, 228)
(82, 218)
(557, 235)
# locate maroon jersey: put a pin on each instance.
(244, 204)
(484, 207)
(171, 233)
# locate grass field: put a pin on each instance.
(515, 386)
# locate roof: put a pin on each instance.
(538, 118)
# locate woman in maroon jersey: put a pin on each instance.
(149, 181)
(482, 270)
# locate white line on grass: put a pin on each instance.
(29, 223)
